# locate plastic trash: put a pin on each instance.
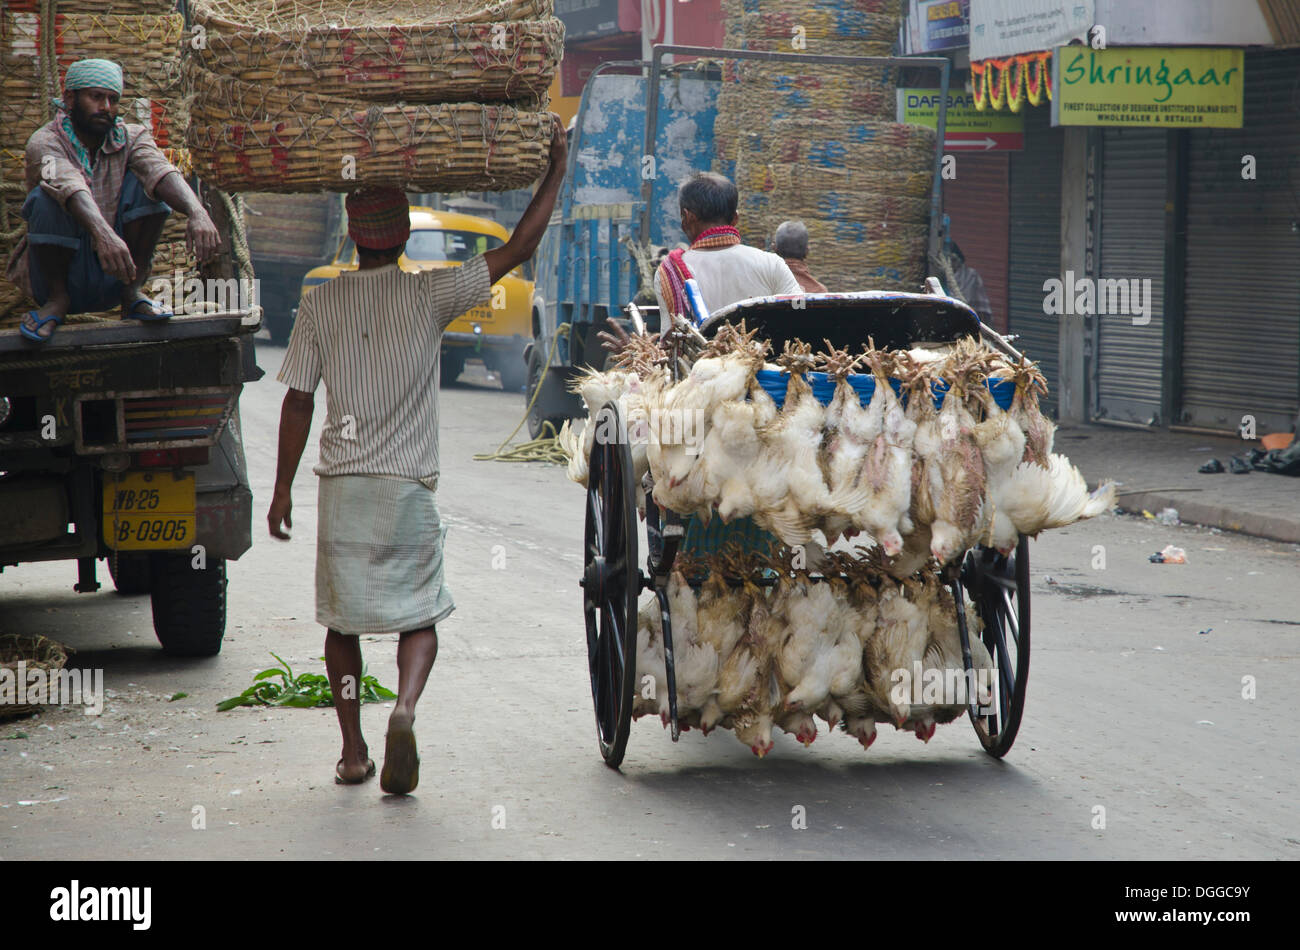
(1169, 555)
(1212, 467)
(1168, 516)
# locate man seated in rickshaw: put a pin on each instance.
(726, 271)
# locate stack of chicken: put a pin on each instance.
(826, 646)
(818, 142)
(879, 467)
(312, 95)
(38, 41)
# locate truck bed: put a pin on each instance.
(71, 336)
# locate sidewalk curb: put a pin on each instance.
(1215, 516)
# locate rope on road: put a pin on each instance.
(545, 448)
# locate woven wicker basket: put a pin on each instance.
(287, 15)
(414, 63)
(249, 138)
(37, 653)
(64, 7)
(147, 47)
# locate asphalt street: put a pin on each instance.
(1135, 709)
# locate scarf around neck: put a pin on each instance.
(116, 136)
(674, 273)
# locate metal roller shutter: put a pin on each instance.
(1241, 333)
(1130, 358)
(1035, 243)
(977, 202)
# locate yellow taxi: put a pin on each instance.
(495, 333)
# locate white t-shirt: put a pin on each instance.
(374, 337)
(727, 275)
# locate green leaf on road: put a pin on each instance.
(176, 696)
(304, 691)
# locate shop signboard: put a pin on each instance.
(965, 128)
(1177, 87)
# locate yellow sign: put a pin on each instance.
(1137, 86)
(148, 510)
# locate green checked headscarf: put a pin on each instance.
(92, 74)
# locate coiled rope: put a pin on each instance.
(544, 448)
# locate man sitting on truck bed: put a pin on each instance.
(85, 169)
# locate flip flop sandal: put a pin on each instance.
(154, 316)
(340, 780)
(401, 761)
(35, 335)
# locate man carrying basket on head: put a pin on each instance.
(373, 335)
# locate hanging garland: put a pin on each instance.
(997, 79)
(1012, 81)
(978, 73)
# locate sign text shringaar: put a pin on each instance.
(1144, 86)
(37, 686)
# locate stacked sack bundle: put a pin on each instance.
(39, 39)
(818, 143)
(292, 96)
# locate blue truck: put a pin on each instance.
(620, 194)
(585, 269)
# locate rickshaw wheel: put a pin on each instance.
(999, 586)
(611, 582)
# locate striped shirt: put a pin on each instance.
(374, 337)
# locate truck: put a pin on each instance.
(120, 441)
(585, 268)
(288, 235)
(618, 207)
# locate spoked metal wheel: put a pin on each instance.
(611, 582)
(999, 586)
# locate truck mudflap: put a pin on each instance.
(223, 499)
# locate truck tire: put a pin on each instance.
(280, 326)
(453, 364)
(536, 371)
(130, 573)
(189, 605)
(513, 372)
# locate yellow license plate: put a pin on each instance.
(148, 510)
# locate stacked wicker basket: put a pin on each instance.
(817, 143)
(328, 95)
(39, 39)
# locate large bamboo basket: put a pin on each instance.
(37, 653)
(381, 61)
(65, 7)
(147, 47)
(254, 138)
(278, 16)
